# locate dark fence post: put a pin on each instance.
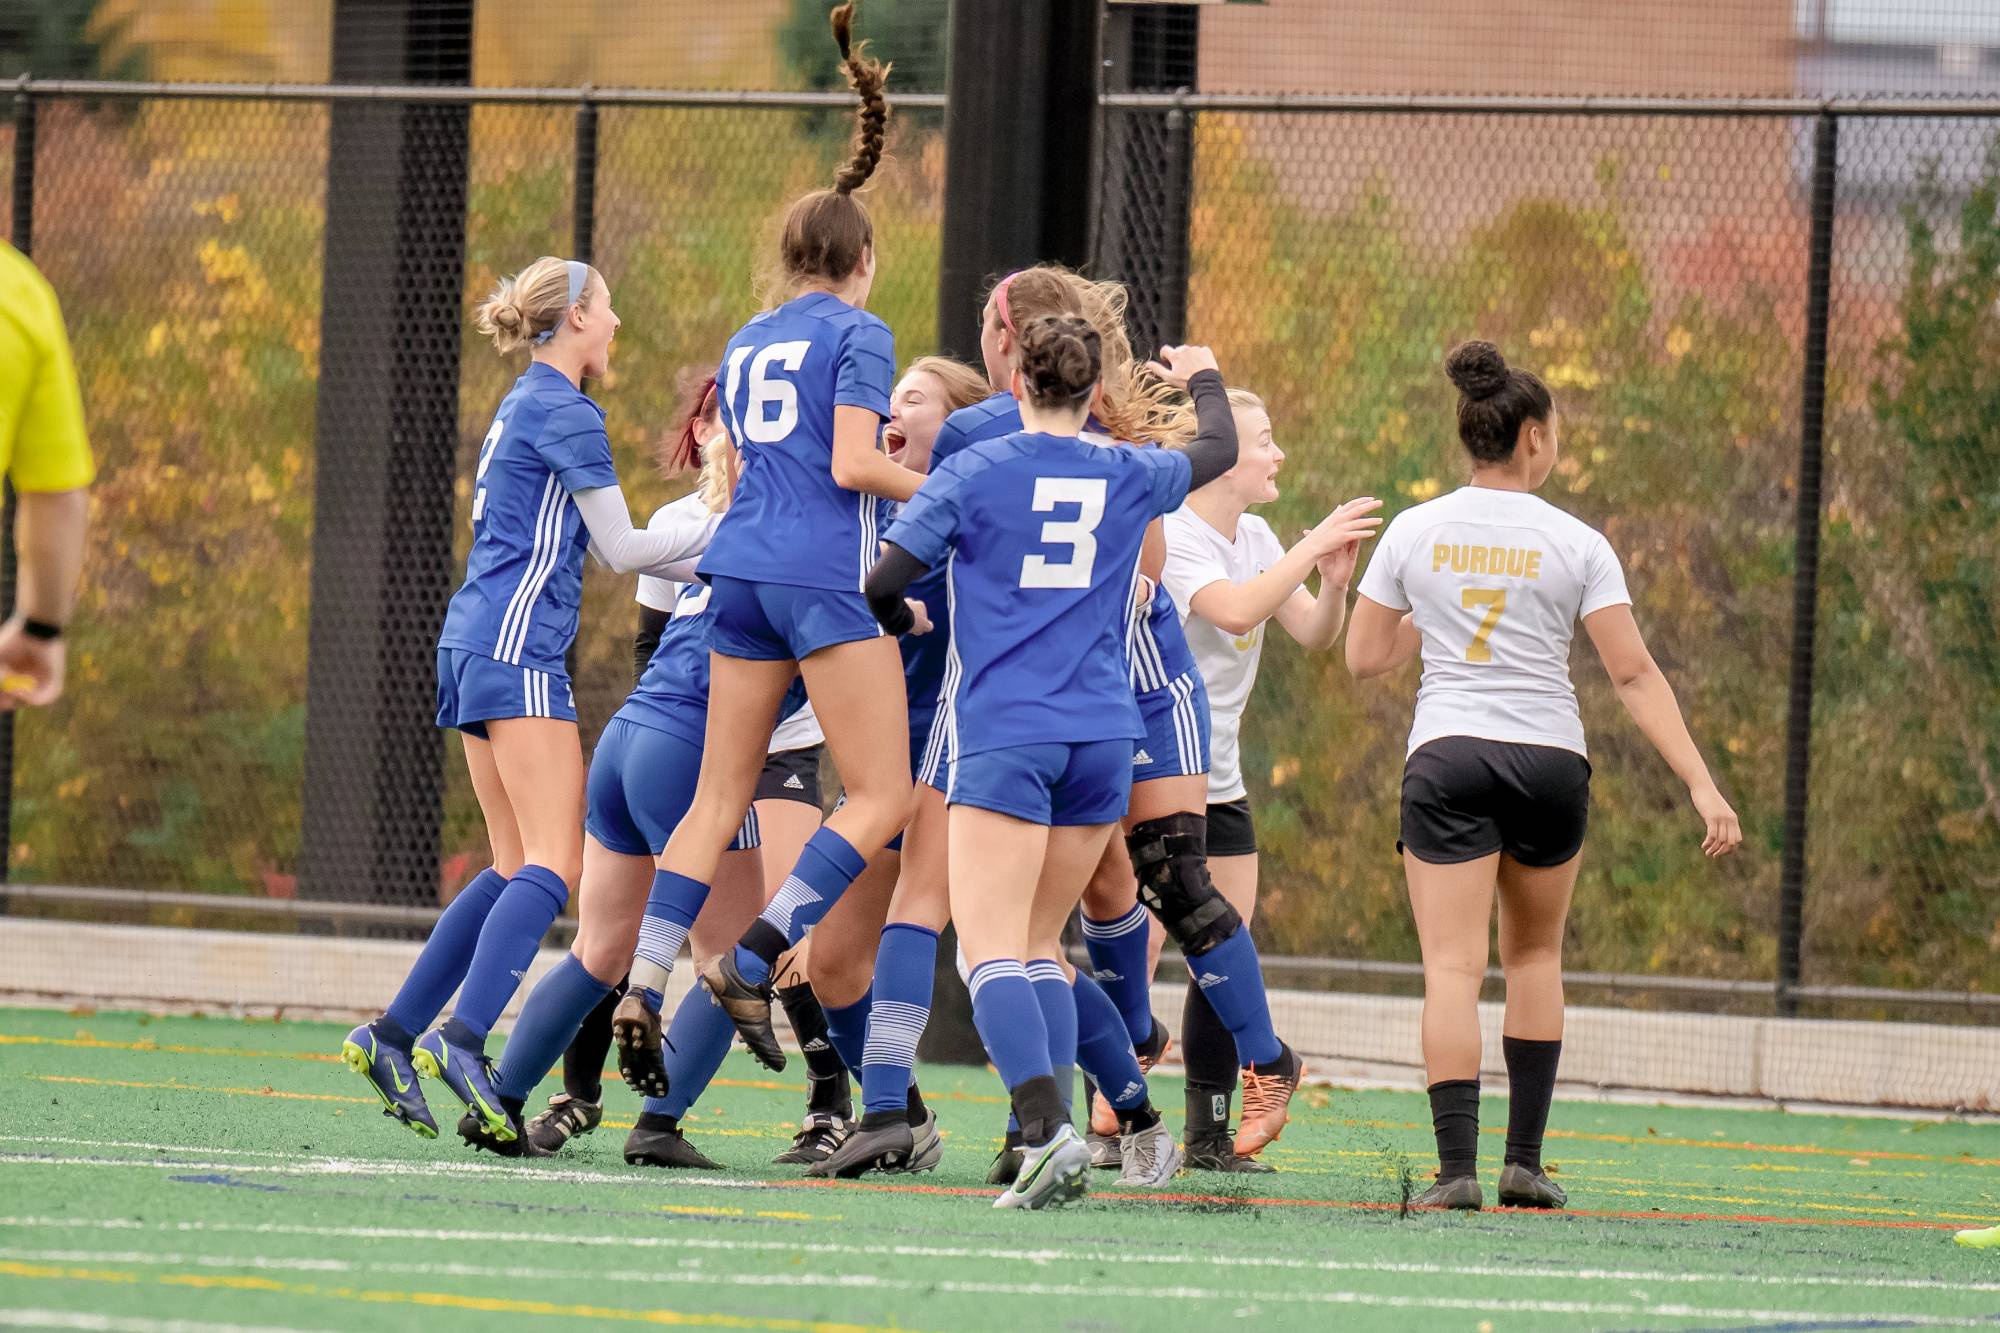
(391, 325)
(583, 213)
(1805, 577)
(1019, 131)
(23, 239)
(1148, 174)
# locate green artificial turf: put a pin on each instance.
(167, 1174)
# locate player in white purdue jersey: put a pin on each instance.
(1488, 583)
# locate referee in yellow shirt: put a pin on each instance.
(44, 453)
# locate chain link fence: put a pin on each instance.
(250, 678)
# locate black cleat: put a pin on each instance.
(565, 1119)
(480, 1139)
(748, 1006)
(1525, 1187)
(818, 1138)
(1006, 1166)
(656, 1140)
(1214, 1152)
(884, 1147)
(1460, 1193)
(635, 1035)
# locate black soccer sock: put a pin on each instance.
(1038, 1105)
(767, 942)
(1208, 1053)
(1531, 1080)
(913, 1108)
(828, 1091)
(1455, 1118)
(1141, 1117)
(583, 1061)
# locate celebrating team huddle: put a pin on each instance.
(1057, 560)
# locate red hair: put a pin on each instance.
(681, 452)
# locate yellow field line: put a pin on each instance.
(150, 1047)
(438, 1300)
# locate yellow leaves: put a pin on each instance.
(73, 788)
(1285, 770)
(224, 263)
(1679, 342)
(156, 338)
(1426, 489)
(224, 207)
(259, 485)
(1736, 745)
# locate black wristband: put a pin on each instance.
(41, 629)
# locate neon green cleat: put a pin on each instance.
(1987, 1238)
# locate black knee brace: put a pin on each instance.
(1170, 856)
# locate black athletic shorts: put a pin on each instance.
(791, 775)
(1231, 830)
(1464, 798)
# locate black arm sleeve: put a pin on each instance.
(1214, 449)
(652, 624)
(894, 572)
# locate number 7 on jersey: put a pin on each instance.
(1495, 602)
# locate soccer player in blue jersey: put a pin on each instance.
(805, 388)
(544, 491)
(1040, 532)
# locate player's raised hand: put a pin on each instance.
(1178, 365)
(1339, 535)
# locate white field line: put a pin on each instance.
(112, 1323)
(1038, 1257)
(1040, 1290)
(363, 1167)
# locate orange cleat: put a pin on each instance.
(1267, 1100)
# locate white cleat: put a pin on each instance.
(1056, 1173)
(1151, 1157)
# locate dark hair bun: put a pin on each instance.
(1061, 358)
(1477, 368)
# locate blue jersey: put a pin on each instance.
(782, 375)
(1040, 535)
(672, 694)
(524, 578)
(1156, 644)
(924, 654)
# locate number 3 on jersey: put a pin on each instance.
(485, 461)
(1495, 602)
(773, 410)
(1079, 533)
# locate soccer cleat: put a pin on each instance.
(748, 1006)
(1523, 1187)
(818, 1139)
(1105, 1149)
(468, 1074)
(1267, 1100)
(565, 1119)
(1982, 1238)
(1054, 1174)
(656, 1140)
(389, 1071)
(882, 1147)
(635, 1035)
(927, 1147)
(1214, 1152)
(1006, 1164)
(1454, 1192)
(1150, 1157)
(473, 1130)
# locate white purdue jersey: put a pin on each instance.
(1496, 581)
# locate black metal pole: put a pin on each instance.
(1805, 577)
(23, 239)
(1148, 174)
(583, 213)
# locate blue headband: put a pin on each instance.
(579, 273)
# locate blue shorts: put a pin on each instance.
(641, 784)
(1089, 782)
(474, 690)
(1176, 722)
(778, 622)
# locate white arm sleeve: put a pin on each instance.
(630, 550)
